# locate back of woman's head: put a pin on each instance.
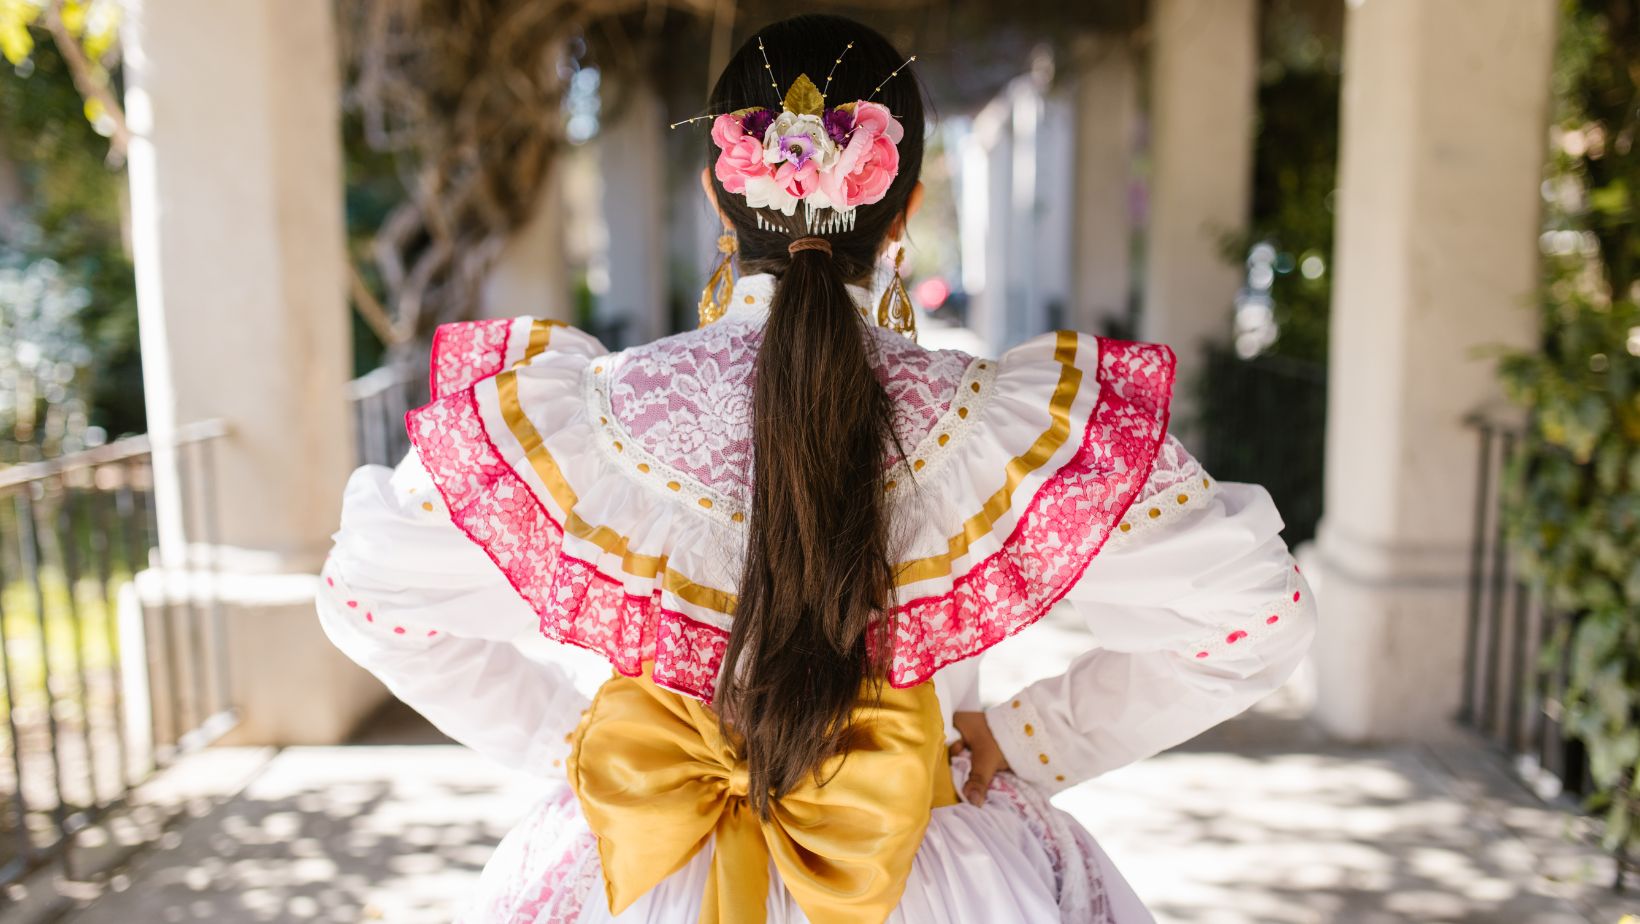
(818, 572)
(850, 63)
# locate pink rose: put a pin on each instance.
(869, 164)
(726, 130)
(876, 119)
(741, 157)
(875, 172)
(797, 181)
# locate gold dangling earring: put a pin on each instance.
(894, 310)
(714, 299)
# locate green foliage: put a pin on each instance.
(92, 26)
(1295, 174)
(1573, 500)
(374, 185)
(16, 41)
(67, 293)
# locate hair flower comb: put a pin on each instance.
(836, 158)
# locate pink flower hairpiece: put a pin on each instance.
(826, 157)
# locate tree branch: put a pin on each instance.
(85, 79)
(365, 303)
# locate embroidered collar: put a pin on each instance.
(1081, 427)
(750, 300)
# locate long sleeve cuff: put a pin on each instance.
(1023, 738)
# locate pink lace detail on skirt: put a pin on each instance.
(547, 868)
(1078, 880)
(576, 603)
(544, 871)
(465, 352)
(1060, 530)
(688, 399)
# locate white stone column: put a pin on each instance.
(531, 276)
(1021, 300)
(1105, 97)
(1445, 110)
(236, 211)
(1203, 68)
(987, 225)
(631, 149)
(1055, 207)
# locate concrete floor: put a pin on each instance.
(1256, 835)
(1261, 821)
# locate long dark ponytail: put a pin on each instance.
(818, 571)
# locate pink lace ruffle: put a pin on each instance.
(577, 603)
(465, 352)
(1060, 530)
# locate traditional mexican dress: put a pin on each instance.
(599, 499)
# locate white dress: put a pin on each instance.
(596, 498)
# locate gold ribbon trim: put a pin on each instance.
(656, 779)
(923, 569)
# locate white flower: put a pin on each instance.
(763, 192)
(799, 139)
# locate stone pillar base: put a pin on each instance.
(1389, 643)
(288, 684)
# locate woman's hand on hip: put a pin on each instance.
(984, 755)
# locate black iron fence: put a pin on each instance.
(1264, 420)
(110, 667)
(379, 400)
(1509, 696)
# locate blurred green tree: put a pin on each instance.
(1573, 497)
(1270, 388)
(67, 296)
(1295, 170)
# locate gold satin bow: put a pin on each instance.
(655, 779)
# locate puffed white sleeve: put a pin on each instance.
(406, 595)
(1197, 611)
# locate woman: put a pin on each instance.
(792, 532)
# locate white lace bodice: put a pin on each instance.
(685, 402)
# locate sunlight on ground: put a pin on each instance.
(1362, 837)
(1344, 835)
(1261, 821)
(332, 834)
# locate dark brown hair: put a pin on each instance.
(818, 571)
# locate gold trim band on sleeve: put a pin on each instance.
(1000, 502)
(608, 540)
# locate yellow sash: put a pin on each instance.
(655, 779)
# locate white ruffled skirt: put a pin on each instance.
(1014, 860)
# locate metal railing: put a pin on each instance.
(108, 673)
(1506, 697)
(1264, 420)
(379, 400)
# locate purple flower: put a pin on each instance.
(757, 122)
(796, 149)
(839, 122)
